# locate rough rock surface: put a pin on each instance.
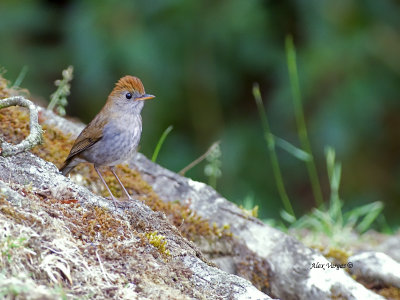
(376, 267)
(391, 246)
(276, 263)
(26, 174)
(291, 268)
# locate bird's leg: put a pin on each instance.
(120, 183)
(105, 184)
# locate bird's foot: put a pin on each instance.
(120, 204)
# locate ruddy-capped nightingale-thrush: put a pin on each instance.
(114, 133)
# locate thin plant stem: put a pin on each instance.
(161, 142)
(300, 120)
(199, 159)
(213, 182)
(270, 139)
(21, 76)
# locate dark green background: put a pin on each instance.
(200, 58)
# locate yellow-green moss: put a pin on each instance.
(6, 90)
(221, 231)
(390, 292)
(339, 256)
(158, 241)
(250, 212)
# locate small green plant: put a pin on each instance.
(9, 244)
(249, 206)
(59, 291)
(158, 241)
(11, 289)
(213, 167)
(161, 142)
(331, 221)
(58, 99)
(304, 154)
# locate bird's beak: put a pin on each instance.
(145, 97)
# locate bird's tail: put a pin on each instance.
(68, 166)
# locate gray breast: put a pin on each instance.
(119, 142)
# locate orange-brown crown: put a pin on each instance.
(128, 83)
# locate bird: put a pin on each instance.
(114, 133)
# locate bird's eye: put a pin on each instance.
(128, 95)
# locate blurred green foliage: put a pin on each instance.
(200, 58)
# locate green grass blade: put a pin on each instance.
(287, 217)
(367, 213)
(291, 149)
(300, 120)
(21, 76)
(334, 175)
(384, 225)
(334, 171)
(370, 217)
(160, 143)
(272, 153)
(335, 210)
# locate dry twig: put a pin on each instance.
(35, 135)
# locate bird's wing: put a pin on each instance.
(90, 135)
